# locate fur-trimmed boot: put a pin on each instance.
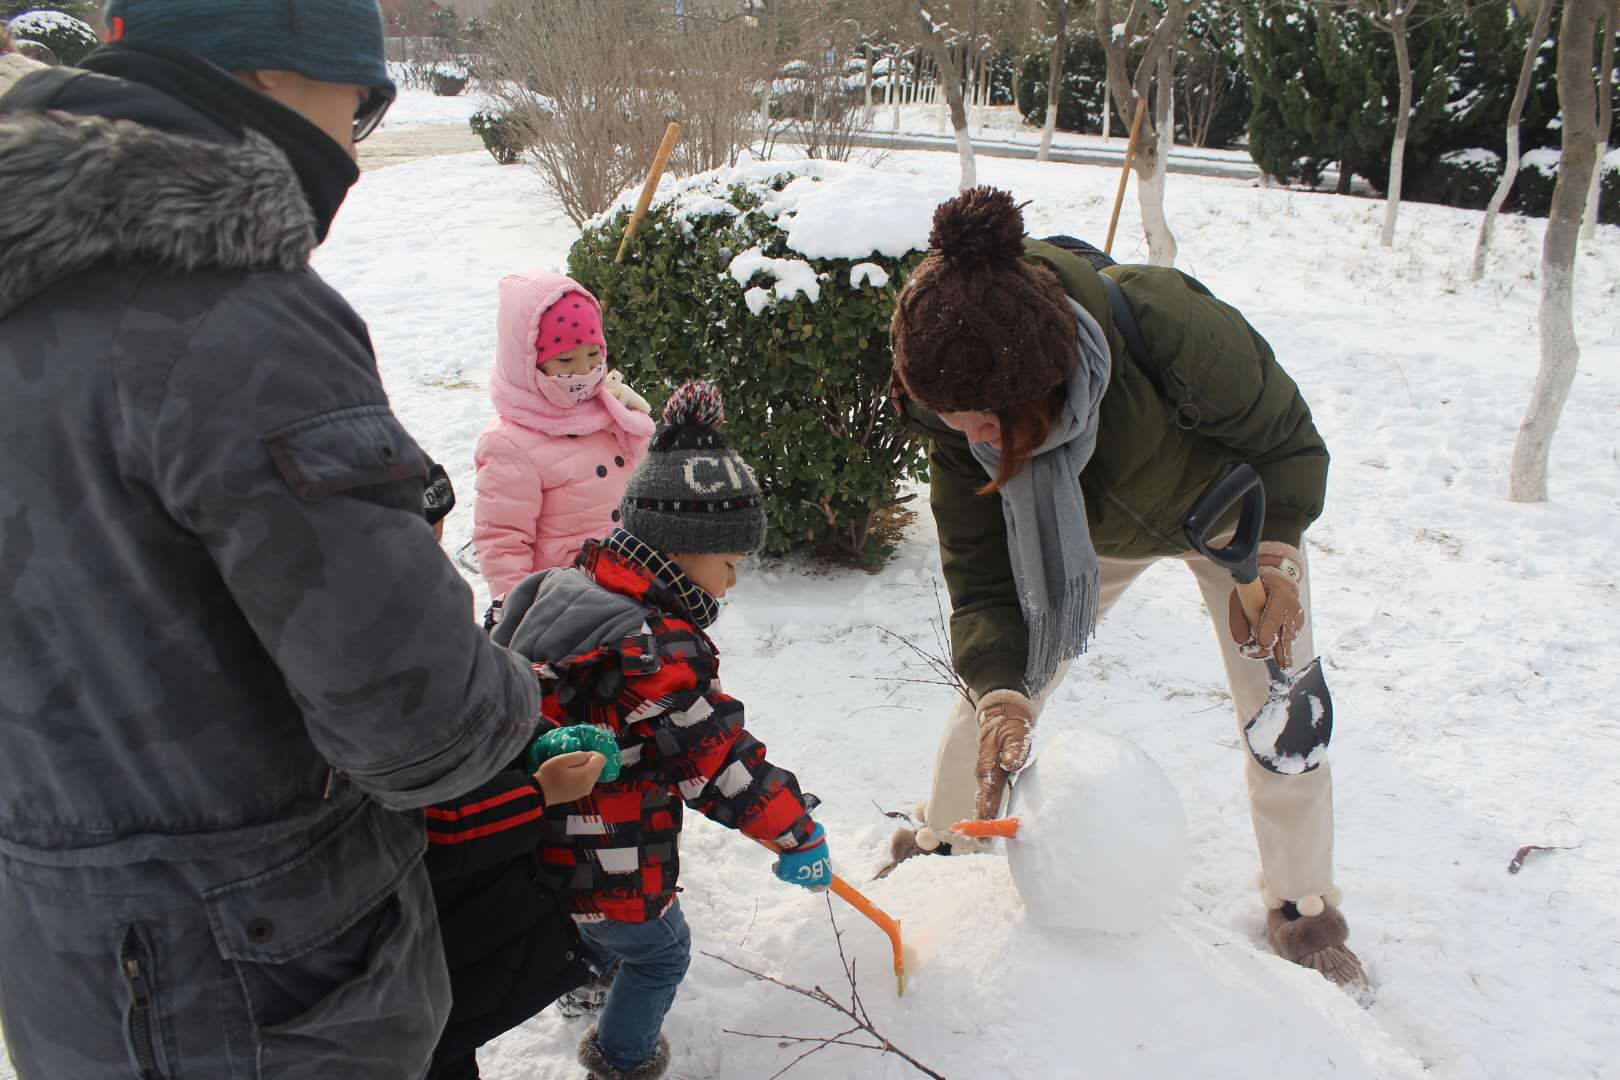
(597, 1067)
(1316, 942)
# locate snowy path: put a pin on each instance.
(1470, 645)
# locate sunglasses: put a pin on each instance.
(372, 110)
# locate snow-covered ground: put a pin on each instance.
(423, 108)
(1470, 644)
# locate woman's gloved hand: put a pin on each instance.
(1282, 571)
(1006, 725)
(808, 864)
(627, 397)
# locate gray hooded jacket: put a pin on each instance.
(222, 615)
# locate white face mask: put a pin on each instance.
(578, 388)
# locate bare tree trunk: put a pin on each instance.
(1403, 123)
(1108, 112)
(1150, 180)
(868, 79)
(950, 76)
(1605, 119)
(984, 91)
(1510, 169)
(1054, 81)
(1560, 352)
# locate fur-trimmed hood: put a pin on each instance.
(77, 190)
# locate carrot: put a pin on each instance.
(1005, 827)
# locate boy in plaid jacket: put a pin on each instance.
(619, 638)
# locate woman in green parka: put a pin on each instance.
(1062, 464)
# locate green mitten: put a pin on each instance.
(566, 740)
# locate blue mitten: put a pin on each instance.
(807, 865)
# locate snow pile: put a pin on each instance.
(828, 209)
(1102, 837)
(994, 994)
(1475, 157)
(1544, 161)
(792, 277)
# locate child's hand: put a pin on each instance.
(568, 777)
(807, 865)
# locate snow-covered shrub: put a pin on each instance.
(69, 38)
(1468, 177)
(776, 281)
(448, 83)
(1538, 173)
(1533, 190)
(501, 133)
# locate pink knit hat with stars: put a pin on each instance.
(572, 321)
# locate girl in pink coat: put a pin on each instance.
(553, 464)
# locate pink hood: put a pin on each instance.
(522, 395)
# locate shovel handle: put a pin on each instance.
(1240, 557)
(857, 900)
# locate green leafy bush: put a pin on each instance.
(69, 38)
(1468, 178)
(502, 135)
(806, 382)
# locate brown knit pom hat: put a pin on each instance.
(977, 326)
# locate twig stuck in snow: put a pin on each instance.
(938, 662)
(1524, 853)
(855, 1012)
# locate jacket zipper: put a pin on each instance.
(140, 1011)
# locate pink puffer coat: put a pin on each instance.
(550, 473)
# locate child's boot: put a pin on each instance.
(597, 1067)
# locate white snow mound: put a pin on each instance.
(1102, 837)
(993, 994)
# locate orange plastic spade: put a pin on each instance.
(857, 900)
(1006, 827)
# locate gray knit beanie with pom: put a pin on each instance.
(694, 495)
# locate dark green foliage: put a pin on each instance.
(70, 38)
(1325, 89)
(502, 135)
(84, 10)
(806, 384)
(1080, 99)
(1212, 84)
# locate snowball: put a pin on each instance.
(1102, 839)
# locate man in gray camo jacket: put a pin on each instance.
(231, 653)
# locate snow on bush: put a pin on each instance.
(69, 38)
(777, 280)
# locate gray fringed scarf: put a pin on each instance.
(1053, 560)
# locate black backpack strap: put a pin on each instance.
(1119, 305)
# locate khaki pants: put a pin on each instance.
(1293, 815)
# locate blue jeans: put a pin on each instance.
(653, 958)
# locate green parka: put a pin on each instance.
(1209, 396)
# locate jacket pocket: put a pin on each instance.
(333, 949)
(143, 1035)
(362, 446)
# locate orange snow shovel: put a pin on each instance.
(891, 927)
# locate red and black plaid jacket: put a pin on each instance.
(615, 853)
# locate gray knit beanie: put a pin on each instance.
(693, 495)
(335, 41)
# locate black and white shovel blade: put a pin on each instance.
(1290, 733)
